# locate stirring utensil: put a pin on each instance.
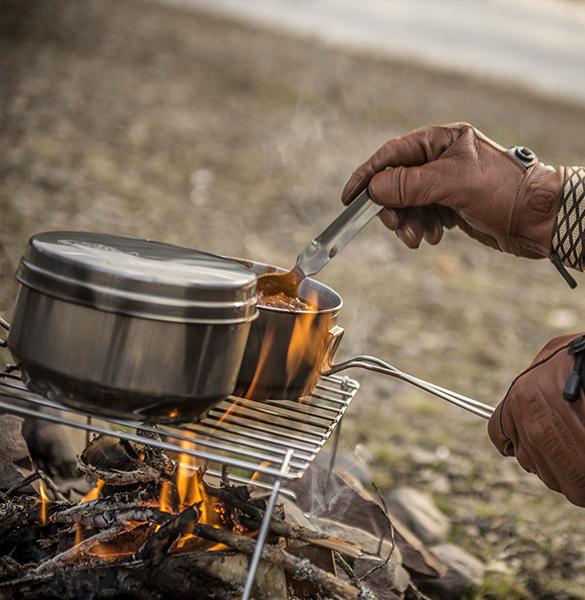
(323, 248)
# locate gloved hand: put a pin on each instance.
(545, 432)
(440, 177)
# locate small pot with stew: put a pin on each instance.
(291, 341)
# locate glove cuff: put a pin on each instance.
(569, 232)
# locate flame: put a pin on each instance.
(302, 349)
(78, 535)
(94, 493)
(44, 502)
(164, 502)
(189, 486)
(262, 358)
(257, 474)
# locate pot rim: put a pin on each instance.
(249, 263)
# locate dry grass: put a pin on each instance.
(129, 118)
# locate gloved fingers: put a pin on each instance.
(416, 148)
(498, 432)
(413, 225)
(390, 218)
(447, 216)
(410, 187)
(411, 229)
(433, 227)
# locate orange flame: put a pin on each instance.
(262, 358)
(189, 486)
(94, 493)
(304, 345)
(257, 474)
(44, 502)
(78, 534)
(164, 502)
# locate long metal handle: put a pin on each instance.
(345, 227)
(372, 363)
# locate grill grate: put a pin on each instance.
(249, 436)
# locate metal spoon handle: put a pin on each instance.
(329, 243)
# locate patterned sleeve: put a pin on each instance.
(569, 234)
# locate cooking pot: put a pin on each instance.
(130, 328)
(287, 352)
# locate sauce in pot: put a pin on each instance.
(281, 300)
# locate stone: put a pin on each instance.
(465, 573)
(420, 514)
(15, 461)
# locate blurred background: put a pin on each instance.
(232, 126)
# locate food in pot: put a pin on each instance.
(281, 300)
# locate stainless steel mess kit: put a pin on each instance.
(139, 329)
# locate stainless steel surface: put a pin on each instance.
(324, 247)
(261, 539)
(371, 363)
(128, 327)
(267, 369)
(139, 277)
(121, 365)
(341, 231)
(252, 437)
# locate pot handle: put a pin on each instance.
(5, 325)
(372, 363)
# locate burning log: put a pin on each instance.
(73, 554)
(119, 462)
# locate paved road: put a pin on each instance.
(539, 44)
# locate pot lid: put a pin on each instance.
(139, 277)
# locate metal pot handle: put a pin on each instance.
(5, 325)
(372, 363)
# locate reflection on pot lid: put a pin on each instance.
(139, 277)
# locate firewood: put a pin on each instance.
(118, 508)
(158, 544)
(73, 554)
(108, 518)
(299, 568)
(237, 497)
(145, 474)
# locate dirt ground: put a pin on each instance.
(126, 117)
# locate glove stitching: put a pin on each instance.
(525, 372)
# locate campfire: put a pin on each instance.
(152, 522)
(176, 509)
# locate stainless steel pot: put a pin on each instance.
(130, 328)
(287, 351)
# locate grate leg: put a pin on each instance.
(255, 561)
(336, 436)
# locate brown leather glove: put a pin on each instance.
(440, 177)
(545, 432)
